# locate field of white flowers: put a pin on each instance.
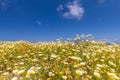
(92, 60)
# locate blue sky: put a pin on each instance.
(46, 20)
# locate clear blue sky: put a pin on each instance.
(46, 20)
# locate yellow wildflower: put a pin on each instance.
(97, 74)
(79, 72)
(5, 74)
(48, 78)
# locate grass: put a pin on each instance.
(59, 61)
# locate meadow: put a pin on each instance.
(22, 60)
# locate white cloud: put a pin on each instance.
(60, 7)
(101, 1)
(38, 22)
(74, 10)
(3, 4)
